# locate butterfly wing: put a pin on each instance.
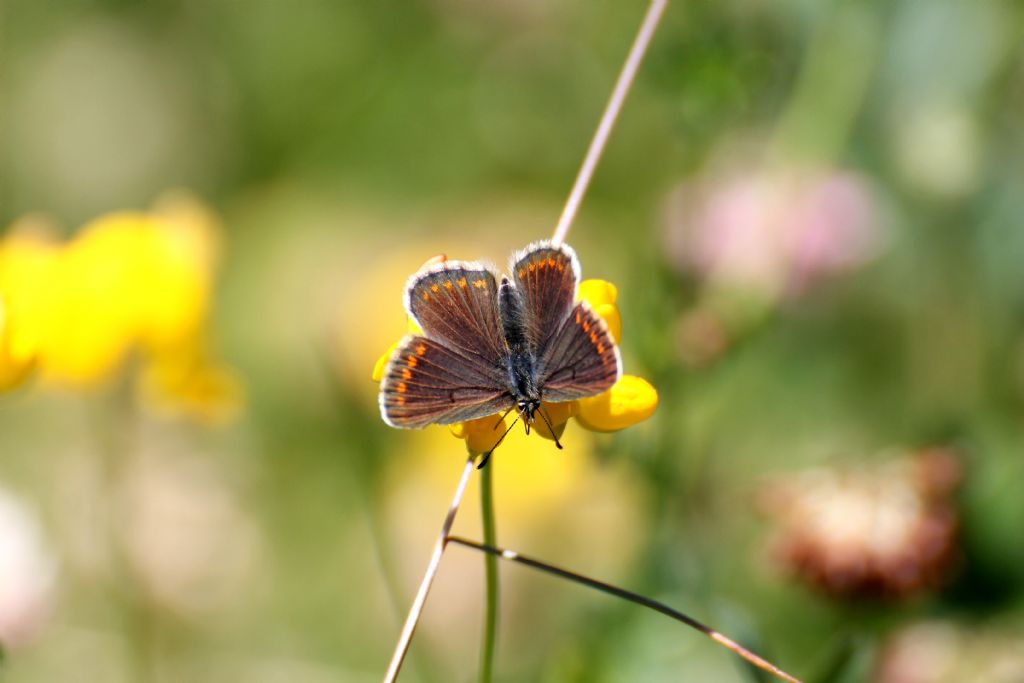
(454, 372)
(581, 358)
(456, 303)
(432, 382)
(546, 276)
(576, 356)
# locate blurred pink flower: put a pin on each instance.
(772, 233)
(27, 572)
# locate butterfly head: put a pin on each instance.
(528, 407)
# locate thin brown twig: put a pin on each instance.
(632, 597)
(416, 610)
(608, 118)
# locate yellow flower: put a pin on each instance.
(13, 368)
(178, 279)
(93, 314)
(130, 278)
(629, 401)
(27, 287)
(602, 296)
(482, 434)
(127, 282)
(189, 383)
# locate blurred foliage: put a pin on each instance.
(344, 143)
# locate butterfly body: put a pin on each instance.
(492, 344)
(520, 360)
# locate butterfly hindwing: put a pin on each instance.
(546, 276)
(581, 358)
(430, 382)
(456, 303)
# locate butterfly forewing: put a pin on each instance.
(456, 303)
(546, 276)
(430, 382)
(581, 358)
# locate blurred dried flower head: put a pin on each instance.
(945, 652)
(769, 234)
(27, 573)
(875, 531)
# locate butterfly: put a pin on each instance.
(493, 345)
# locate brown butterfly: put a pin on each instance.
(490, 347)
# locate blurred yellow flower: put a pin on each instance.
(127, 281)
(190, 384)
(13, 369)
(27, 289)
(630, 400)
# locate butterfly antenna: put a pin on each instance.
(551, 428)
(487, 455)
(503, 416)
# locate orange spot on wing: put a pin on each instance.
(578, 318)
(586, 326)
(401, 400)
(435, 288)
(593, 337)
(561, 267)
(522, 273)
(533, 267)
(426, 296)
(551, 262)
(407, 373)
(421, 349)
(480, 284)
(462, 283)
(401, 387)
(600, 349)
(411, 361)
(448, 285)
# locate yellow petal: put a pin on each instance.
(597, 292)
(631, 400)
(559, 414)
(610, 314)
(413, 327)
(481, 434)
(29, 282)
(382, 362)
(13, 369)
(601, 295)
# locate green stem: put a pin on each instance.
(490, 576)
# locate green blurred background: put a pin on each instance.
(344, 143)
